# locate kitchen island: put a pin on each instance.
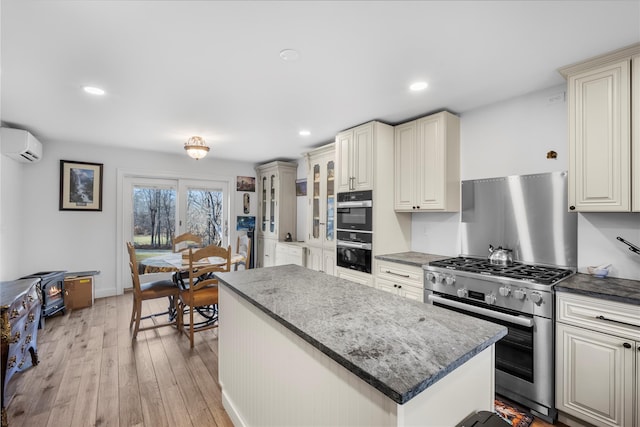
(299, 347)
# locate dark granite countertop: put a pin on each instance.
(399, 346)
(416, 259)
(610, 288)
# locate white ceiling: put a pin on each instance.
(173, 69)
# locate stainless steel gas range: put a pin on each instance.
(518, 296)
(527, 216)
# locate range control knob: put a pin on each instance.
(431, 277)
(505, 291)
(462, 292)
(490, 299)
(450, 280)
(519, 293)
(536, 297)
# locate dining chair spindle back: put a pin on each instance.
(185, 241)
(202, 291)
(147, 291)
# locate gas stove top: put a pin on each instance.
(537, 274)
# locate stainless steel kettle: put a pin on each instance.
(500, 256)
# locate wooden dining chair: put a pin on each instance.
(202, 288)
(189, 239)
(147, 291)
(243, 247)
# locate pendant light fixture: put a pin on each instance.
(196, 147)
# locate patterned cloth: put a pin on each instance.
(515, 416)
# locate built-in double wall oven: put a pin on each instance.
(354, 230)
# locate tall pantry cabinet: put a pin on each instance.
(604, 132)
(321, 192)
(364, 161)
(276, 208)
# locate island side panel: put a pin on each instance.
(466, 390)
(270, 376)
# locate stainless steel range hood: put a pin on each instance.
(526, 213)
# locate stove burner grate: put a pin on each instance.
(533, 273)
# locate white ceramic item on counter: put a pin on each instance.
(600, 271)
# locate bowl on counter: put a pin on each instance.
(600, 272)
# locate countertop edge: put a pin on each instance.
(612, 289)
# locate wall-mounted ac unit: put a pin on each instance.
(20, 145)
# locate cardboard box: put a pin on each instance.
(78, 292)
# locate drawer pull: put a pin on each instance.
(616, 321)
(626, 345)
(397, 274)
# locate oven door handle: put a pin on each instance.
(354, 245)
(518, 320)
(360, 204)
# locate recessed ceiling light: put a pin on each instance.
(304, 133)
(289, 55)
(93, 90)
(417, 86)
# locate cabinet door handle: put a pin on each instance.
(397, 274)
(626, 345)
(616, 321)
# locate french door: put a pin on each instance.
(156, 209)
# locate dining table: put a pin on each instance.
(176, 261)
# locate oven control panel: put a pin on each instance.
(493, 291)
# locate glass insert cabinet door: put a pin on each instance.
(264, 204)
(315, 201)
(329, 233)
(322, 197)
(272, 205)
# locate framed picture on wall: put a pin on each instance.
(301, 187)
(245, 183)
(80, 186)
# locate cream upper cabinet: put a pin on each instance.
(597, 358)
(602, 121)
(321, 191)
(427, 164)
(354, 151)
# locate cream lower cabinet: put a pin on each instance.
(597, 360)
(355, 276)
(290, 253)
(400, 279)
(427, 164)
(604, 123)
(266, 256)
(321, 259)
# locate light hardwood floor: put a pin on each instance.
(91, 374)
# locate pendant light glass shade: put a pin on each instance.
(196, 147)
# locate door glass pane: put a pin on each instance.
(264, 203)
(154, 213)
(272, 206)
(330, 200)
(316, 201)
(204, 215)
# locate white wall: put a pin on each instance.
(80, 241)
(512, 138)
(11, 243)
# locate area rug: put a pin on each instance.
(514, 415)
